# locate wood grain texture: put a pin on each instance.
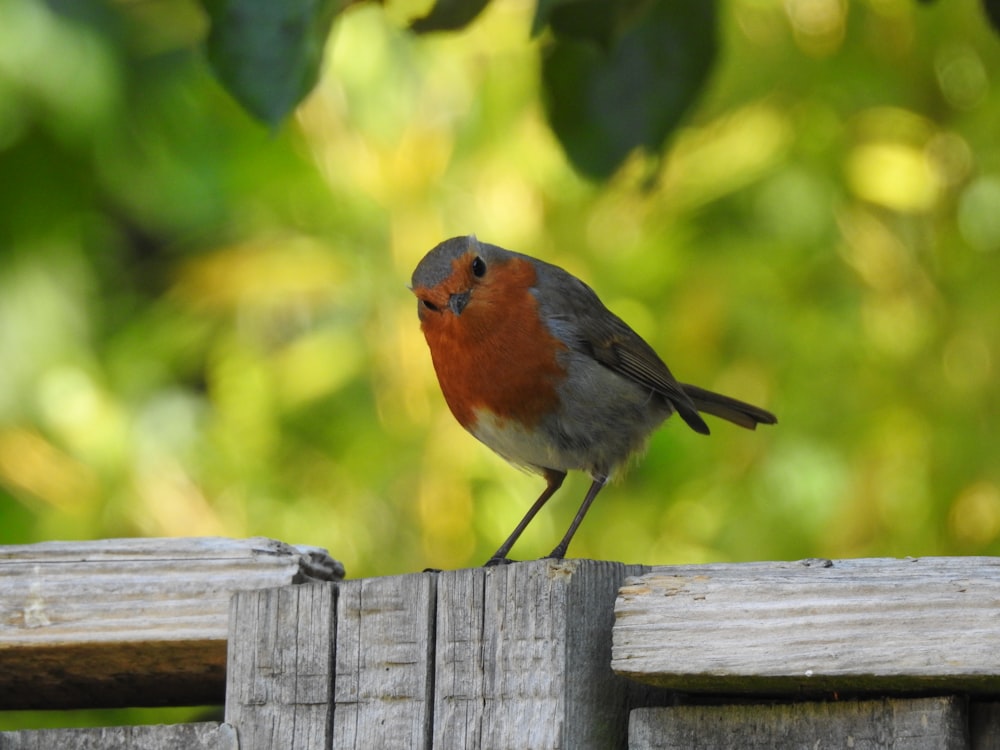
(384, 677)
(519, 657)
(522, 659)
(896, 724)
(279, 688)
(790, 627)
(131, 621)
(204, 736)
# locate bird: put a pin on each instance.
(536, 367)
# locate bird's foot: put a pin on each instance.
(494, 561)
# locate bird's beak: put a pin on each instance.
(457, 302)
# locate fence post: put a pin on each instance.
(523, 657)
(384, 681)
(279, 681)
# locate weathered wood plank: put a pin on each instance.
(522, 658)
(915, 724)
(131, 621)
(204, 736)
(279, 687)
(787, 627)
(383, 687)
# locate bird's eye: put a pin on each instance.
(429, 305)
(478, 267)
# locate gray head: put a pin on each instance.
(438, 264)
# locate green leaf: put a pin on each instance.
(543, 11)
(449, 15)
(603, 104)
(599, 21)
(268, 53)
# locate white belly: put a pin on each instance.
(528, 448)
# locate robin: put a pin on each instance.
(533, 364)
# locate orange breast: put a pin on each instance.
(498, 354)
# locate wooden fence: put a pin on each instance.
(575, 655)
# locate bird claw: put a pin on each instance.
(494, 561)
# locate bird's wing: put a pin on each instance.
(615, 345)
(593, 329)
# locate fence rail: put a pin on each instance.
(544, 655)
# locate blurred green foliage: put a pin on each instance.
(205, 327)
(617, 75)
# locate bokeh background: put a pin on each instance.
(205, 327)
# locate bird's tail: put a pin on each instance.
(724, 407)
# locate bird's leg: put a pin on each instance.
(554, 480)
(560, 551)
